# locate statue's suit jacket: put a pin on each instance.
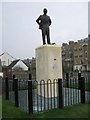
(43, 21)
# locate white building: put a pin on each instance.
(6, 59)
(18, 64)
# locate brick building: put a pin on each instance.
(76, 55)
(81, 55)
(89, 52)
(68, 56)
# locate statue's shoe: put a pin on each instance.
(52, 43)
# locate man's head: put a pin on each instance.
(45, 11)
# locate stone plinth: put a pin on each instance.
(48, 62)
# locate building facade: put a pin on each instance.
(68, 56)
(6, 59)
(32, 66)
(81, 55)
(89, 52)
(76, 55)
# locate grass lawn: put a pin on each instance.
(75, 111)
(10, 111)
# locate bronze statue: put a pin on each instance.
(44, 22)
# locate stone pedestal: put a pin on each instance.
(48, 63)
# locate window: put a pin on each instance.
(80, 55)
(81, 62)
(75, 49)
(76, 56)
(3, 63)
(80, 48)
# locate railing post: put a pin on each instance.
(16, 92)
(13, 82)
(60, 93)
(67, 79)
(7, 88)
(79, 80)
(82, 89)
(30, 98)
(30, 77)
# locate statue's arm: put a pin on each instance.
(50, 22)
(38, 20)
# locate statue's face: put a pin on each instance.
(45, 11)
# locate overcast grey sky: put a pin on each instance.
(20, 33)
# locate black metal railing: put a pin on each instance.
(33, 96)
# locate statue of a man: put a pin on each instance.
(44, 22)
